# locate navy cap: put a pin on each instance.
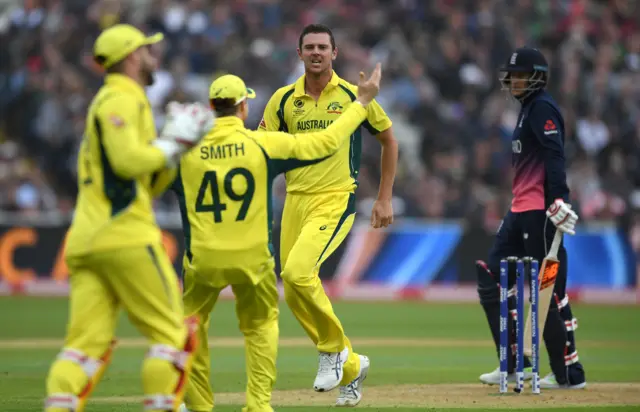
(526, 59)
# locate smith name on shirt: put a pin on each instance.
(222, 151)
(313, 124)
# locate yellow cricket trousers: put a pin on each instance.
(257, 311)
(143, 281)
(313, 226)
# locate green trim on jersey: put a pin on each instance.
(355, 144)
(120, 192)
(283, 125)
(350, 209)
(178, 188)
(271, 175)
(274, 168)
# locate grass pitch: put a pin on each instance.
(423, 357)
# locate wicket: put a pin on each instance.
(521, 266)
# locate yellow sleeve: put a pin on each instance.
(270, 121)
(162, 180)
(117, 124)
(304, 149)
(377, 120)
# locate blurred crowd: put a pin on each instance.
(441, 89)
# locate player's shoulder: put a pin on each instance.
(545, 98)
(253, 137)
(545, 103)
(282, 93)
(115, 99)
(348, 85)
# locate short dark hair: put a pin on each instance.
(117, 68)
(224, 107)
(316, 28)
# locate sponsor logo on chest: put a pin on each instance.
(334, 108)
(298, 107)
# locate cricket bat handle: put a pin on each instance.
(555, 245)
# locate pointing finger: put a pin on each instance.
(377, 73)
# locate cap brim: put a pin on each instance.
(156, 38)
(251, 94)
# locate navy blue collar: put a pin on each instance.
(531, 97)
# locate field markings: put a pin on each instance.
(299, 342)
(440, 396)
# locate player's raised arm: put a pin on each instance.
(319, 145)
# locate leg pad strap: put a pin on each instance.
(159, 402)
(62, 401)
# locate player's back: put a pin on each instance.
(112, 211)
(224, 187)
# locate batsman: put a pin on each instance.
(539, 208)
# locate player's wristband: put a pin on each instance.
(171, 150)
(361, 104)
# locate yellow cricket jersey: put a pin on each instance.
(291, 110)
(116, 165)
(224, 185)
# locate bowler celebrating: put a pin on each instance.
(319, 209)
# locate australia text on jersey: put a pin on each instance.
(313, 124)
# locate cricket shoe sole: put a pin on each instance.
(351, 394)
(550, 382)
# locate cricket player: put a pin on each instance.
(320, 204)
(224, 190)
(114, 250)
(538, 209)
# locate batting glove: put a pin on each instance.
(184, 128)
(562, 216)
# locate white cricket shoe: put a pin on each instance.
(351, 394)
(493, 378)
(330, 370)
(550, 382)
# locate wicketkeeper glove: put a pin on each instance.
(562, 216)
(184, 128)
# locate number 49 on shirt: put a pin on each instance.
(210, 180)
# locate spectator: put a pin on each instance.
(593, 133)
(441, 89)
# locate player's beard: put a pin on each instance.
(147, 76)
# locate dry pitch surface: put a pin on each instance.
(433, 396)
(444, 396)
